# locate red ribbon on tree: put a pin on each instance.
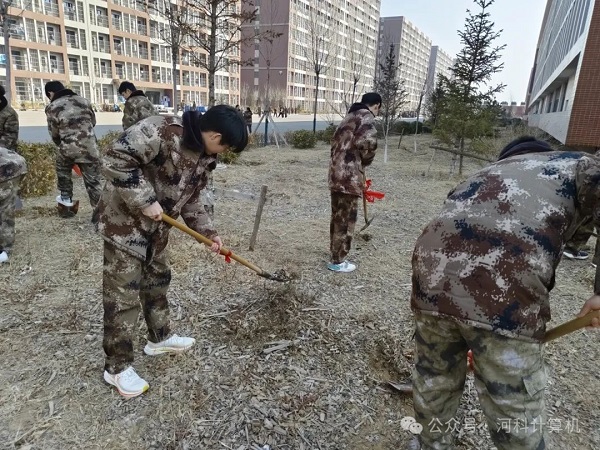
(371, 196)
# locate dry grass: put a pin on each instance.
(295, 366)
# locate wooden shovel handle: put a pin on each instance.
(224, 250)
(570, 326)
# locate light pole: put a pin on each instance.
(4, 5)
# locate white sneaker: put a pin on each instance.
(174, 344)
(64, 201)
(344, 267)
(3, 257)
(128, 383)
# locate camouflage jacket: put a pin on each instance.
(149, 163)
(9, 126)
(137, 107)
(489, 258)
(354, 146)
(71, 122)
(12, 165)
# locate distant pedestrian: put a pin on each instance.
(354, 146)
(248, 119)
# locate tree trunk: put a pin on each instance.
(174, 55)
(462, 152)
(212, 54)
(385, 149)
(315, 108)
(6, 33)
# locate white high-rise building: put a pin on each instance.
(344, 31)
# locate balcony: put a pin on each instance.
(104, 48)
(105, 73)
(74, 71)
(72, 42)
(142, 30)
(144, 77)
(19, 62)
(120, 72)
(55, 40)
(102, 21)
(52, 9)
(117, 23)
(57, 67)
(143, 54)
(69, 13)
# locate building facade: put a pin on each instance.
(440, 63)
(337, 36)
(564, 87)
(92, 46)
(412, 48)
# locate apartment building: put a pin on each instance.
(344, 32)
(412, 48)
(440, 63)
(564, 88)
(93, 45)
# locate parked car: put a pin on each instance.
(161, 108)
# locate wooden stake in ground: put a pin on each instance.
(261, 203)
(227, 253)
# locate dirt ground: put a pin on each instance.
(300, 366)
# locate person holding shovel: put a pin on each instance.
(353, 148)
(158, 165)
(71, 122)
(482, 273)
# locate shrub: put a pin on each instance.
(106, 141)
(326, 135)
(41, 170)
(301, 139)
(228, 157)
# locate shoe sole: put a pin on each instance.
(163, 350)
(126, 394)
(571, 256)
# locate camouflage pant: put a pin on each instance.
(509, 378)
(580, 238)
(344, 210)
(89, 171)
(127, 282)
(8, 198)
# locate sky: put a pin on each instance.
(520, 21)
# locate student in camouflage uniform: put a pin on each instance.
(354, 146)
(482, 273)
(71, 122)
(12, 168)
(137, 105)
(159, 164)
(9, 123)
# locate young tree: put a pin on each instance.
(393, 94)
(469, 109)
(174, 36)
(434, 102)
(219, 34)
(320, 38)
(353, 54)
